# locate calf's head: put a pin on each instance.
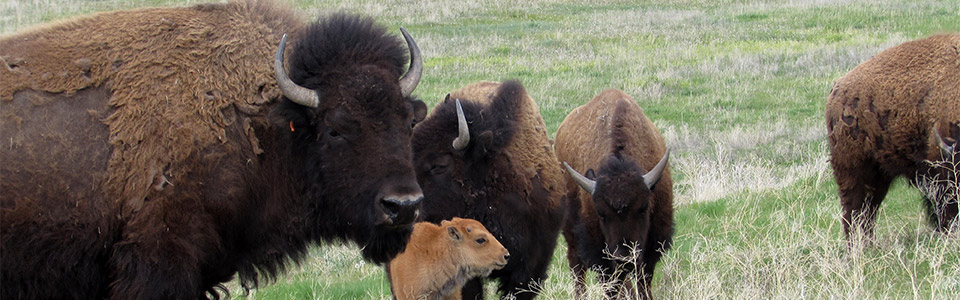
(480, 251)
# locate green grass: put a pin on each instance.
(736, 86)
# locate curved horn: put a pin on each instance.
(463, 139)
(297, 94)
(588, 185)
(653, 175)
(945, 150)
(409, 81)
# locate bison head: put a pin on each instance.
(622, 193)
(457, 160)
(942, 179)
(350, 114)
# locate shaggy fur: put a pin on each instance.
(148, 154)
(880, 120)
(438, 260)
(611, 136)
(507, 178)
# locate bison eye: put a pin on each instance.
(481, 241)
(438, 169)
(334, 133)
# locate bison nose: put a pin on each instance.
(401, 210)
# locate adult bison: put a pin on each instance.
(623, 218)
(483, 153)
(153, 153)
(897, 114)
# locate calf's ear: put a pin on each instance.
(454, 234)
(419, 111)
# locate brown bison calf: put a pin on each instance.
(624, 220)
(439, 260)
(885, 119)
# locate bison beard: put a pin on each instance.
(160, 174)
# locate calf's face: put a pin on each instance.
(481, 252)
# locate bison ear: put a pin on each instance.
(419, 111)
(590, 175)
(454, 234)
(946, 150)
(485, 141)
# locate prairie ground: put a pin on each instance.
(737, 88)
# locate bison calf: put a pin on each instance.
(897, 114)
(624, 220)
(440, 259)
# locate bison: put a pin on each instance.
(623, 218)
(154, 153)
(483, 153)
(438, 260)
(897, 114)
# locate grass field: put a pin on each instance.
(736, 86)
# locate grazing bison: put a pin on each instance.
(623, 218)
(154, 153)
(438, 260)
(491, 161)
(893, 115)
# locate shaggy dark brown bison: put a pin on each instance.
(494, 163)
(894, 115)
(623, 218)
(154, 153)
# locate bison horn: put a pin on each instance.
(588, 185)
(653, 176)
(463, 139)
(410, 80)
(297, 94)
(945, 150)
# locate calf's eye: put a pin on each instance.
(481, 240)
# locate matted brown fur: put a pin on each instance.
(613, 125)
(438, 260)
(880, 117)
(507, 178)
(199, 92)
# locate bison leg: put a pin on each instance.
(942, 213)
(579, 279)
(473, 289)
(522, 283)
(576, 266)
(862, 189)
(162, 256)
